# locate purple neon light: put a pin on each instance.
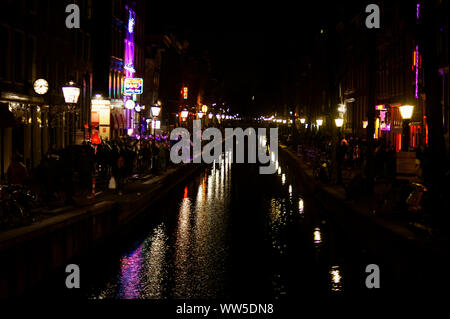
(417, 72)
(129, 61)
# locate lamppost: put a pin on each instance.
(339, 122)
(71, 94)
(200, 116)
(155, 113)
(184, 115)
(406, 111)
(319, 124)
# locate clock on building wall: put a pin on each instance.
(40, 86)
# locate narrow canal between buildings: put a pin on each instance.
(233, 233)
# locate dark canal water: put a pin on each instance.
(231, 233)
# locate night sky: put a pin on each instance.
(250, 43)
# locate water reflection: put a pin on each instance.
(336, 278)
(189, 260)
(317, 236)
(301, 206)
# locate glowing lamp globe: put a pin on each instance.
(339, 122)
(156, 110)
(71, 93)
(406, 111)
(130, 104)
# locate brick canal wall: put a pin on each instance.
(30, 254)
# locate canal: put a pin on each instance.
(231, 233)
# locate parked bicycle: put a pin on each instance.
(16, 204)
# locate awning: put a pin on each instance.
(6, 116)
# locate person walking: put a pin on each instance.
(119, 173)
(17, 172)
(341, 152)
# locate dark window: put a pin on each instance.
(32, 6)
(18, 58)
(4, 52)
(30, 58)
(87, 48)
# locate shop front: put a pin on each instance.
(101, 118)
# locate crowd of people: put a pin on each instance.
(66, 172)
(351, 153)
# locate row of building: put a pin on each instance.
(111, 45)
(397, 51)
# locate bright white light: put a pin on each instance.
(200, 115)
(71, 94)
(130, 104)
(319, 122)
(156, 125)
(184, 114)
(339, 122)
(301, 206)
(317, 236)
(406, 111)
(210, 115)
(156, 110)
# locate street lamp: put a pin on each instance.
(200, 115)
(339, 122)
(71, 94)
(406, 111)
(155, 110)
(184, 114)
(303, 120)
(319, 123)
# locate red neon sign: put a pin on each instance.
(185, 92)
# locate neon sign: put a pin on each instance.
(129, 67)
(130, 24)
(133, 86)
(185, 92)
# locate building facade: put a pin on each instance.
(118, 55)
(37, 45)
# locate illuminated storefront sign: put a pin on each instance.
(185, 93)
(156, 125)
(133, 86)
(130, 24)
(130, 68)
